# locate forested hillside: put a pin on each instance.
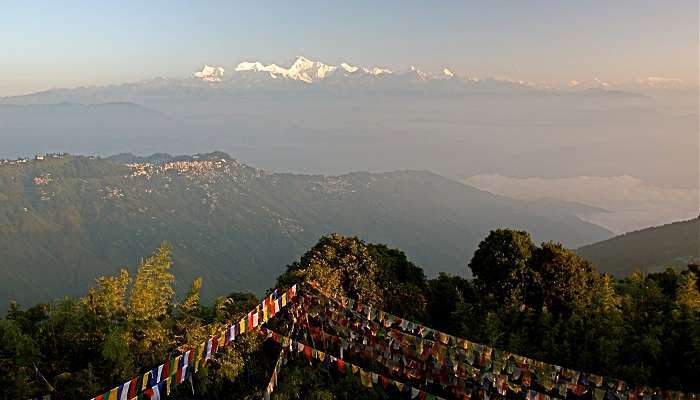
(647, 250)
(527, 301)
(65, 220)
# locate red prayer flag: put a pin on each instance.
(214, 344)
(384, 381)
(133, 388)
(166, 370)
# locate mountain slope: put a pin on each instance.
(66, 219)
(647, 250)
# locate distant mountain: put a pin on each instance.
(309, 76)
(647, 250)
(66, 219)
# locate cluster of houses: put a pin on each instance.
(38, 157)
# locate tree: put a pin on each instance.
(107, 300)
(501, 266)
(447, 294)
(152, 294)
(563, 279)
(341, 265)
(18, 352)
(403, 283)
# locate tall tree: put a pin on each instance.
(341, 265)
(152, 294)
(501, 266)
(563, 279)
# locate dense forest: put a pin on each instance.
(540, 301)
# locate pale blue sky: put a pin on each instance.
(47, 44)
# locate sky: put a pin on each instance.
(47, 44)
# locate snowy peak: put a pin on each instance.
(376, 71)
(210, 74)
(420, 75)
(309, 71)
(349, 68)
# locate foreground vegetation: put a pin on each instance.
(542, 301)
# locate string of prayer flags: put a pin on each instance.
(275, 372)
(159, 381)
(367, 378)
(459, 353)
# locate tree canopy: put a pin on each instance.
(542, 301)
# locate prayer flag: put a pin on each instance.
(207, 355)
(133, 388)
(182, 369)
(222, 341)
(165, 371)
(414, 393)
(366, 378)
(144, 380)
(152, 393)
(124, 391)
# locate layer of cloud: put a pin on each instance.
(659, 82)
(631, 204)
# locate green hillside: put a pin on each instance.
(648, 250)
(65, 220)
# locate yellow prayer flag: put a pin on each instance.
(173, 371)
(200, 356)
(222, 340)
(167, 386)
(144, 381)
(366, 379)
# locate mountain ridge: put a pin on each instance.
(68, 219)
(652, 249)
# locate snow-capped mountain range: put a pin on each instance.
(305, 70)
(307, 76)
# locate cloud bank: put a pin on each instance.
(631, 203)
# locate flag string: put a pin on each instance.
(367, 378)
(549, 374)
(163, 378)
